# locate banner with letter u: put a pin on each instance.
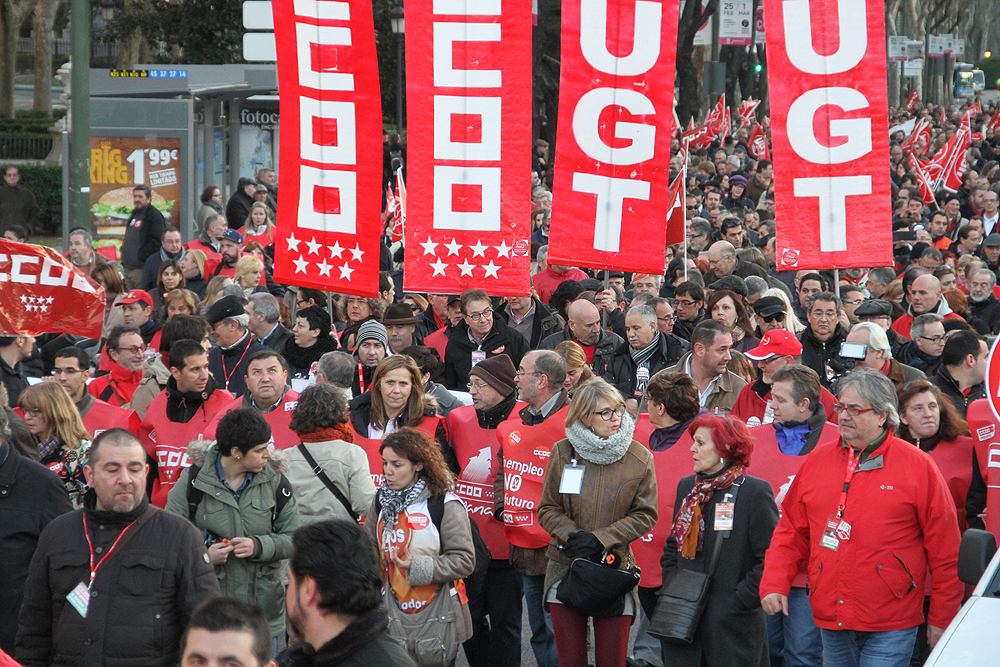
(468, 90)
(329, 213)
(616, 94)
(826, 68)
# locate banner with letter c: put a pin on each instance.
(468, 89)
(616, 96)
(329, 215)
(827, 69)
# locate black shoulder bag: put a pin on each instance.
(684, 595)
(323, 477)
(596, 588)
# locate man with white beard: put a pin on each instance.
(983, 304)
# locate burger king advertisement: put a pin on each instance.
(117, 165)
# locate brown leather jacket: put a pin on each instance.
(618, 503)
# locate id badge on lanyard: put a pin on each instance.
(838, 530)
(572, 479)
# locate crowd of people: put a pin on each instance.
(199, 473)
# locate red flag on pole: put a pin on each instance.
(676, 218)
(994, 123)
(399, 217)
(924, 181)
(974, 109)
(746, 111)
(330, 236)
(716, 114)
(913, 101)
(42, 293)
(955, 164)
(758, 144)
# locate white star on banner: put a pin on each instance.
(45, 309)
(466, 268)
(429, 246)
(345, 272)
(479, 250)
(293, 243)
(313, 246)
(324, 268)
(503, 250)
(24, 299)
(48, 300)
(300, 265)
(357, 252)
(438, 267)
(491, 269)
(29, 308)
(32, 299)
(335, 250)
(453, 247)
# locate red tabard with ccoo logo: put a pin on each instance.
(476, 449)
(526, 452)
(282, 437)
(371, 447)
(166, 441)
(671, 465)
(986, 436)
(103, 417)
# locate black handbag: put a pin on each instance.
(595, 588)
(684, 595)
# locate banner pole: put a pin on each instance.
(607, 286)
(684, 185)
(836, 280)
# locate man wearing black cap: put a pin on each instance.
(879, 311)
(228, 361)
(991, 252)
(401, 327)
(494, 395)
(770, 313)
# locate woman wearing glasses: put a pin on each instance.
(63, 441)
(597, 516)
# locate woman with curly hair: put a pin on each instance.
(358, 310)
(425, 542)
(933, 423)
(320, 421)
(63, 441)
(732, 629)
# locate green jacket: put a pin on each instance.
(260, 577)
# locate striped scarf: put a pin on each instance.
(689, 527)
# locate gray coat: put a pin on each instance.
(732, 630)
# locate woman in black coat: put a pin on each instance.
(732, 630)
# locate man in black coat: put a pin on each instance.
(143, 235)
(264, 314)
(238, 206)
(153, 572)
(531, 318)
(477, 337)
(822, 338)
(31, 496)
(983, 304)
(962, 372)
(584, 328)
(228, 361)
(170, 248)
(643, 356)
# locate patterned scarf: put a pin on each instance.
(393, 502)
(689, 527)
(46, 447)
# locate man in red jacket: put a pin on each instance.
(872, 516)
(126, 352)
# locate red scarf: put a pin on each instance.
(339, 432)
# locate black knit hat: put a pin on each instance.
(497, 372)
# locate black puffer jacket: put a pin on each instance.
(140, 602)
(458, 355)
(606, 346)
(31, 496)
(622, 368)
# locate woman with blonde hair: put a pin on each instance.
(180, 302)
(247, 274)
(214, 291)
(63, 441)
(422, 569)
(258, 226)
(577, 369)
(585, 522)
(193, 266)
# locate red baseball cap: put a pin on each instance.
(776, 343)
(136, 296)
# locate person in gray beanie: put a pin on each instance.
(373, 347)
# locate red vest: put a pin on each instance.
(438, 340)
(671, 465)
(986, 436)
(954, 460)
(167, 441)
(428, 425)
(282, 437)
(103, 417)
(476, 449)
(526, 452)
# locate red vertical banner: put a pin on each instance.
(468, 91)
(330, 227)
(826, 68)
(616, 95)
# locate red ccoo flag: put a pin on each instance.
(924, 181)
(42, 293)
(676, 218)
(746, 111)
(994, 123)
(913, 101)
(758, 144)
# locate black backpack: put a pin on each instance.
(395, 159)
(474, 582)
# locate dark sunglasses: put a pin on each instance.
(772, 318)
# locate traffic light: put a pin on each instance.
(757, 68)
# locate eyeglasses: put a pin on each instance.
(67, 371)
(475, 317)
(693, 208)
(478, 386)
(133, 349)
(685, 303)
(30, 413)
(519, 373)
(852, 410)
(773, 318)
(933, 339)
(301, 304)
(668, 320)
(855, 302)
(608, 413)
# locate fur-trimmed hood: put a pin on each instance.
(197, 449)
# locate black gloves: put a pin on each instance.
(583, 545)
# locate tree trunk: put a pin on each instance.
(43, 21)
(688, 66)
(12, 16)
